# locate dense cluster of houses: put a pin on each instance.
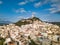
(40, 32)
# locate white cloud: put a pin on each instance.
(52, 9)
(56, 3)
(23, 3)
(56, 11)
(20, 17)
(40, 3)
(1, 2)
(33, 13)
(55, 6)
(21, 10)
(37, 4)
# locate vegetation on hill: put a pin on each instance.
(27, 21)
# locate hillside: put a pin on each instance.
(27, 21)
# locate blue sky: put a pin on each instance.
(14, 10)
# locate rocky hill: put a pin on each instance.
(27, 21)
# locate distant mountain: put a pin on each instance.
(27, 21)
(56, 23)
(5, 22)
